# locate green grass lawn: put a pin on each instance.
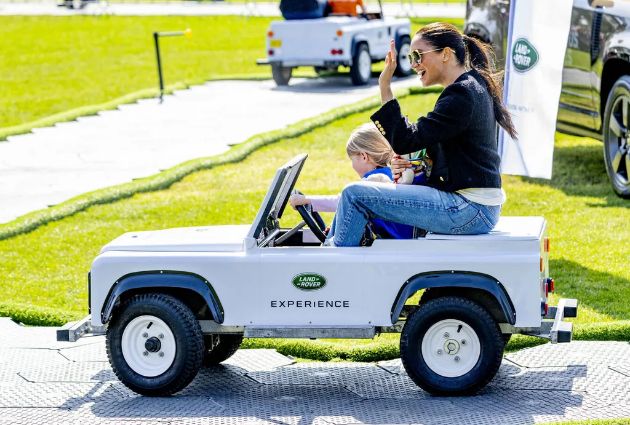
(45, 270)
(53, 64)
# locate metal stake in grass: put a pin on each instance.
(156, 39)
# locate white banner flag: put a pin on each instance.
(537, 41)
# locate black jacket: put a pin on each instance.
(460, 135)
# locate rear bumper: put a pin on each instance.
(554, 328)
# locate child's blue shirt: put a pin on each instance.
(389, 229)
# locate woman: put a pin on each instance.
(463, 194)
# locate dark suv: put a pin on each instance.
(595, 97)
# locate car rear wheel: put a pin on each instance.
(451, 346)
(220, 347)
(361, 69)
(155, 345)
(403, 67)
(281, 74)
(617, 137)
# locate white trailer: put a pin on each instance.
(328, 43)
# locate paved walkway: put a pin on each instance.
(54, 164)
(218, 8)
(46, 382)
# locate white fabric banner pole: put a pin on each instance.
(537, 41)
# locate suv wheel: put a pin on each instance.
(403, 67)
(617, 136)
(451, 346)
(219, 348)
(281, 74)
(361, 69)
(155, 345)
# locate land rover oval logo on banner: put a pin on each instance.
(309, 281)
(524, 55)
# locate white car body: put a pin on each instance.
(250, 281)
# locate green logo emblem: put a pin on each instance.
(309, 281)
(524, 55)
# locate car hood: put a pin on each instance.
(183, 239)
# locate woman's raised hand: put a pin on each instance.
(390, 64)
(399, 165)
(385, 79)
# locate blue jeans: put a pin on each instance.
(420, 206)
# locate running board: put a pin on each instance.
(310, 332)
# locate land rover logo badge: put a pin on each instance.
(309, 281)
(524, 55)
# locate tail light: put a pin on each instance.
(546, 243)
(550, 285)
(270, 52)
(270, 34)
(339, 33)
(336, 52)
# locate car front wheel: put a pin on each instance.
(155, 344)
(451, 346)
(617, 137)
(403, 67)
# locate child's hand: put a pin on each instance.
(296, 200)
(399, 165)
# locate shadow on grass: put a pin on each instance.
(580, 171)
(606, 293)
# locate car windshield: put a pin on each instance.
(276, 198)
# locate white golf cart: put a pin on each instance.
(326, 43)
(173, 300)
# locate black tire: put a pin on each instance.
(148, 318)
(281, 74)
(219, 348)
(360, 72)
(616, 136)
(480, 346)
(403, 68)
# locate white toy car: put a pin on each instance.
(173, 300)
(334, 41)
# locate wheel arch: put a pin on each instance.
(193, 290)
(357, 40)
(616, 66)
(479, 287)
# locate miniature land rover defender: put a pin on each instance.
(171, 301)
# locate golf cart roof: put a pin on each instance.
(276, 198)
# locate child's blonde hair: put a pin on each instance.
(366, 138)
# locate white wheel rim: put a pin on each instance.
(451, 348)
(403, 60)
(159, 356)
(365, 65)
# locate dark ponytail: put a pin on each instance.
(476, 55)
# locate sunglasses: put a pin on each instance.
(415, 57)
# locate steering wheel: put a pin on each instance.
(313, 220)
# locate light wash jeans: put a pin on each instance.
(420, 206)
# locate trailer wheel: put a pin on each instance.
(218, 348)
(451, 346)
(155, 345)
(617, 137)
(403, 67)
(281, 74)
(361, 69)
